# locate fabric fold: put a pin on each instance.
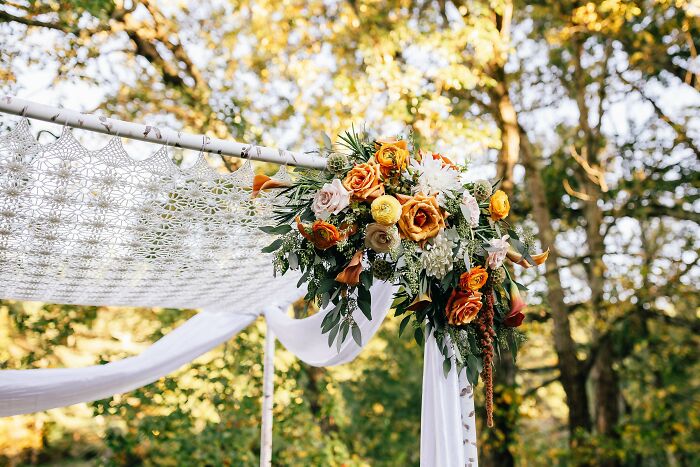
(448, 426)
(26, 391)
(304, 339)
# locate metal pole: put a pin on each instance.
(16, 106)
(268, 399)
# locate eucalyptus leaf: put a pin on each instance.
(357, 334)
(332, 334)
(273, 246)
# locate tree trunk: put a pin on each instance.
(571, 370)
(606, 386)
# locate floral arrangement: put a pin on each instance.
(385, 210)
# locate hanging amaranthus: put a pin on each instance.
(487, 335)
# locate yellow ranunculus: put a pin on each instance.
(386, 210)
(499, 205)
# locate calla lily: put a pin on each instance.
(263, 182)
(519, 259)
(515, 316)
(420, 302)
(351, 274)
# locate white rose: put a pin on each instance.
(331, 199)
(470, 209)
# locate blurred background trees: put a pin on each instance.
(586, 110)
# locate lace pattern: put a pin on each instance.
(100, 228)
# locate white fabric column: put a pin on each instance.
(26, 391)
(448, 428)
(268, 399)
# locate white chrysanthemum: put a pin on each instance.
(433, 177)
(437, 257)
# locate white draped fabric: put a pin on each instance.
(99, 228)
(448, 427)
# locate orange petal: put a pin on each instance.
(263, 182)
(302, 228)
(513, 254)
(402, 198)
(351, 274)
(539, 259)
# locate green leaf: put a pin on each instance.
(519, 246)
(332, 320)
(272, 246)
(357, 334)
(276, 229)
(326, 285)
(303, 279)
(366, 279)
(344, 328)
(404, 323)
(418, 336)
(332, 334)
(327, 141)
(364, 302)
(446, 366)
(398, 300)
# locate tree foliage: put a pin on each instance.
(587, 109)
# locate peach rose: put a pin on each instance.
(392, 156)
(499, 205)
(421, 217)
(473, 279)
(363, 181)
(322, 234)
(462, 307)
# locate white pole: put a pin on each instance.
(16, 106)
(268, 399)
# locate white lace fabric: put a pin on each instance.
(100, 228)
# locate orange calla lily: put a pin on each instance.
(351, 274)
(420, 302)
(519, 259)
(263, 182)
(515, 316)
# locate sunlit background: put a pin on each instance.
(587, 111)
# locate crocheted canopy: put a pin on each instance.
(101, 228)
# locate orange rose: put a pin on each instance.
(392, 156)
(323, 235)
(473, 279)
(462, 307)
(363, 182)
(421, 217)
(499, 205)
